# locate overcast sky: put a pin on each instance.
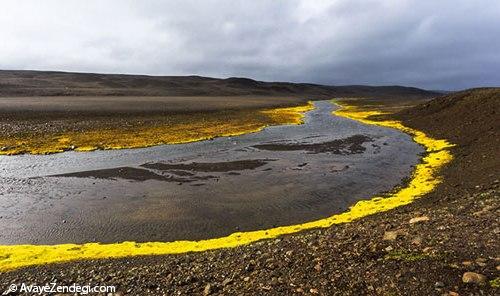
(439, 44)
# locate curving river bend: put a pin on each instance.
(282, 175)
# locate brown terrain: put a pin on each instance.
(37, 104)
(446, 243)
(43, 83)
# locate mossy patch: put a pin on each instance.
(174, 129)
(495, 283)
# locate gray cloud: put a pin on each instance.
(447, 44)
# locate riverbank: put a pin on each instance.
(444, 243)
(57, 124)
(285, 175)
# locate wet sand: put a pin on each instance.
(280, 176)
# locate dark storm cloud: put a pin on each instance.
(433, 44)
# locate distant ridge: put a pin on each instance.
(19, 83)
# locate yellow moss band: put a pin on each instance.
(424, 180)
(170, 130)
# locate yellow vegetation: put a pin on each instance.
(174, 130)
(423, 180)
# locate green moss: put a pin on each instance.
(495, 283)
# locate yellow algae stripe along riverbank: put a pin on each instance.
(174, 129)
(423, 180)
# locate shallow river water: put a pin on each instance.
(280, 176)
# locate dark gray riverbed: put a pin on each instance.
(279, 176)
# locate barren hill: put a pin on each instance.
(44, 83)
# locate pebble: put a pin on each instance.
(317, 267)
(419, 219)
(439, 285)
(391, 235)
(428, 250)
(207, 290)
(417, 240)
(474, 278)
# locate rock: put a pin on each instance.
(467, 263)
(428, 250)
(439, 285)
(389, 248)
(391, 235)
(246, 279)
(474, 278)
(419, 219)
(314, 291)
(484, 211)
(317, 267)
(417, 241)
(481, 260)
(250, 267)
(207, 290)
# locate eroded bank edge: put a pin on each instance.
(424, 179)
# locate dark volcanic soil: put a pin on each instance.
(185, 172)
(127, 173)
(350, 145)
(225, 166)
(470, 119)
(456, 233)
